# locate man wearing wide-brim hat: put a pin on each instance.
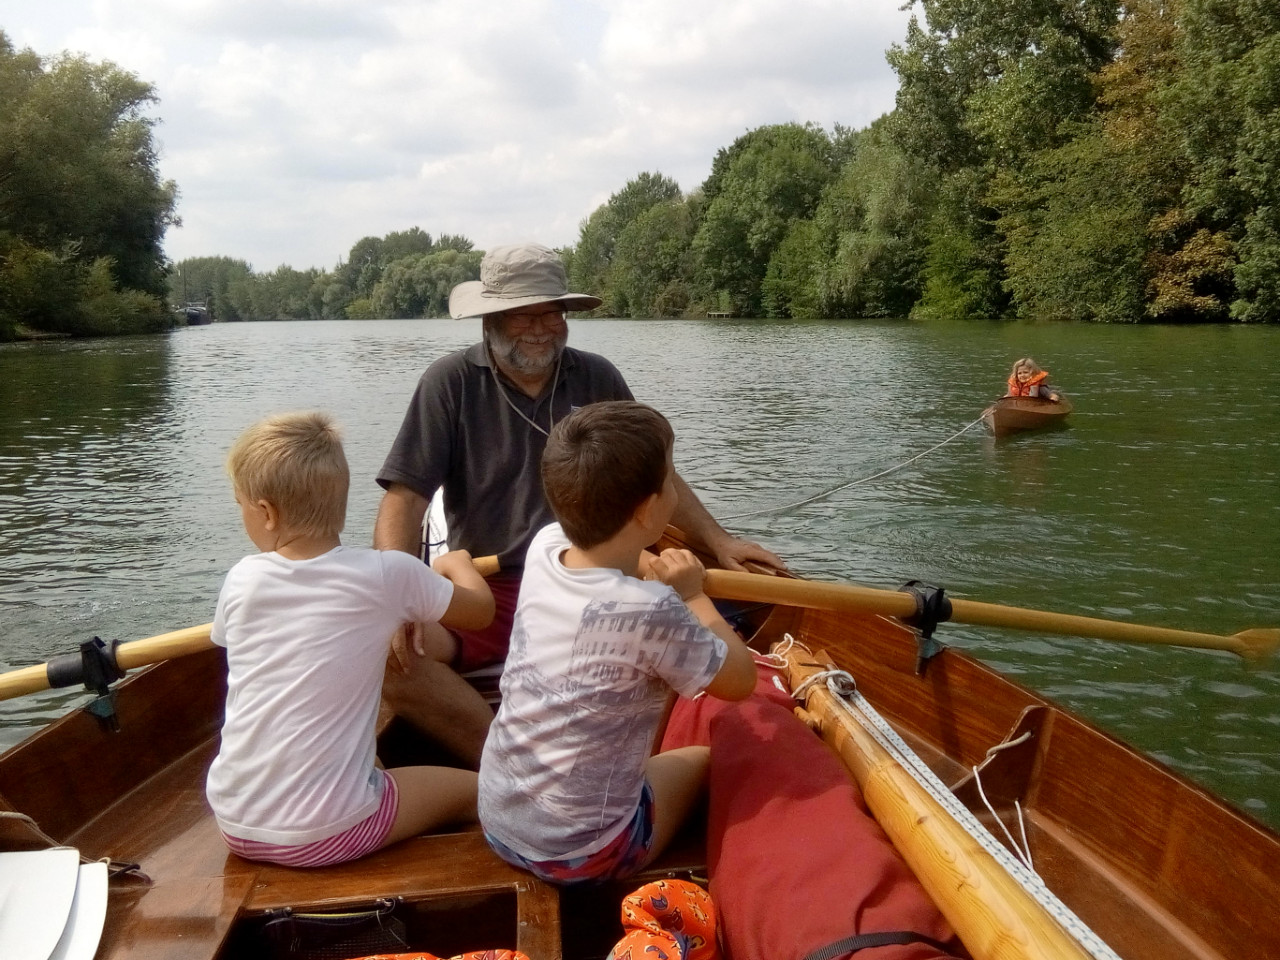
(476, 426)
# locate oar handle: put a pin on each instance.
(764, 588)
(165, 646)
(136, 653)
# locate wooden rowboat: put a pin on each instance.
(1013, 414)
(1155, 865)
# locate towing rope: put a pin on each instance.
(853, 483)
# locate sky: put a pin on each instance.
(293, 128)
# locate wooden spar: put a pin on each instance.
(136, 653)
(1255, 644)
(992, 914)
(140, 653)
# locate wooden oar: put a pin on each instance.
(992, 914)
(1255, 644)
(139, 653)
(136, 653)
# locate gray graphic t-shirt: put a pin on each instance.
(594, 655)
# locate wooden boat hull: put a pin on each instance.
(1015, 414)
(1157, 866)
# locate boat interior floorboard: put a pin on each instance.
(452, 891)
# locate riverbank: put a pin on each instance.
(22, 333)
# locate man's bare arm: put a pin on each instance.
(730, 551)
(399, 523)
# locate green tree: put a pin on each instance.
(1077, 232)
(208, 279)
(989, 81)
(1097, 228)
(418, 286)
(592, 260)
(776, 178)
(363, 266)
(963, 274)
(862, 252)
(794, 282)
(983, 87)
(79, 184)
(358, 277)
(1226, 105)
(652, 270)
(282, 294)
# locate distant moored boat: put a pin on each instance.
(196, 312)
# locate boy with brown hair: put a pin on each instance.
(603, 634)
(307, 624)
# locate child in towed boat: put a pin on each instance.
(1028, 380)
(307, 624)
(601, 638)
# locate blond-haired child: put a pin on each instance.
(307, 624)
(1028, 380)
(568, 789)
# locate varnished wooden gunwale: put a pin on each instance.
(1157, 866)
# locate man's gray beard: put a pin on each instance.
(507, 351)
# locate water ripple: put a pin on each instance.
(1158, 505)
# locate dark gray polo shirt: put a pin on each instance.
(461, 434)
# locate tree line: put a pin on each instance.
(1054, 159)
(404, 274)
(82, 208)
(1087, 160)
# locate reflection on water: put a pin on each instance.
(1159, 504)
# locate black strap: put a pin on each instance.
(932, 608)
(864, 941)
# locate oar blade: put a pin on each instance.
(1258, 644)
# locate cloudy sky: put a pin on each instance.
(295, 127)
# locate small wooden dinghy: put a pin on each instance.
(1154, 865)
(1013, 414)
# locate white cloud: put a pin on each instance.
(295, 127)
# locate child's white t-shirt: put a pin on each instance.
(307, 644)
(594, 655)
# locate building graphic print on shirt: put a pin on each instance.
(580, 711)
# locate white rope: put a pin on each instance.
(843, 686)
(853, 483)
(1023, 853)
(1023, 850)
(776, 659)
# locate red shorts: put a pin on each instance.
(365, 837)
(479, 648)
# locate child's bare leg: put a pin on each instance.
(431, 797)
(677, 778)
(437, 701)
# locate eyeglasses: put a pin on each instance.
(520, 319)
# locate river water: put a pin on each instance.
(1160, 504)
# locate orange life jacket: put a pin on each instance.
(1017, 389)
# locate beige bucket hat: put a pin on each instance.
(517, 275)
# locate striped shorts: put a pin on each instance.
(354, 842)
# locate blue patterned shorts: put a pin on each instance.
(622, 857)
